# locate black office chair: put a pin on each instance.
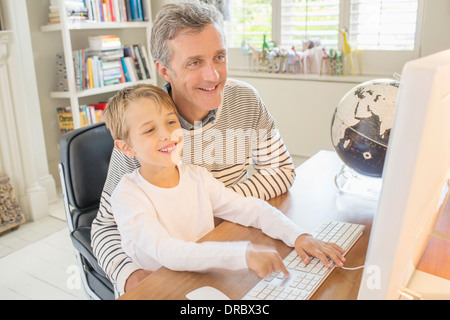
(85, 154)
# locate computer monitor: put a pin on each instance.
(415, 178)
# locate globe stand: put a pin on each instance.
(349, 181)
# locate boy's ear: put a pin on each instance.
(163, 71)
(124, 148)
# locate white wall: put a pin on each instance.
(436, 27)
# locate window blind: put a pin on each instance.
(383, 24)
(309, 19)
(250, 20)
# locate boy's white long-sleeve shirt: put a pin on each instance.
(160, 226)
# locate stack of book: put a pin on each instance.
(104, 61)
(107, 62)
(109, 42)
(53, 15)
(89, 114)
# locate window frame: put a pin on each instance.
(373, 62)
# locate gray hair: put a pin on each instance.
(193, 14)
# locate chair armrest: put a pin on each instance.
(81, 239)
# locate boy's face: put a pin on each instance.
(154, 134)
(198, 71)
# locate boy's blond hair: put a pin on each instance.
(116, 110)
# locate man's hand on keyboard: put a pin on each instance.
(306, 245)
(265, 261)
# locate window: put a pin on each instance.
(250, 20)
(309, 19)
(383, 24)
(372, 24)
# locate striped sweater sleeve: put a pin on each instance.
(274, 170)
(274, 167)
(105, 236)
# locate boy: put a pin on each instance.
(164, 207)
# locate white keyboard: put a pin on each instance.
(303, 279)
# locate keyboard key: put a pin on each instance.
(304, 279)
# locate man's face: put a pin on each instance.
(198, 71)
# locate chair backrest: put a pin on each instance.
(85, 154)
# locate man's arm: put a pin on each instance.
(274, 171)
(105, 237)
(107, 247)
(273, 164)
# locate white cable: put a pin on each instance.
(352, 269)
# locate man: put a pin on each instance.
(227, 125)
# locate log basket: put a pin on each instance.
(11, 216)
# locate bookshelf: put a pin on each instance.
(72, 30)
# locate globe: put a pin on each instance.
(362, 123)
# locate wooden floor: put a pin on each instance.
(37, 262)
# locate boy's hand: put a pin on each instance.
(306, 245)
(265, 261)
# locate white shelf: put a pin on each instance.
(95, 26)
(303, 77)
(97, 91)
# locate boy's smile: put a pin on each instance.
(169, 148)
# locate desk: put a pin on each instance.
(312, 199)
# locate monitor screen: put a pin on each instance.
(415, 178)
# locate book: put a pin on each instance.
(145, 60)
(89, 114)
(140, 60)
(131, 68)
(104, 42)
(89, 73)
(65, 118)
(93, 113)
(125, 70)
(100, 11)
(53, 14)
(99, 68)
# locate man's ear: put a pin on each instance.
(163, 71)
(124, 148)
